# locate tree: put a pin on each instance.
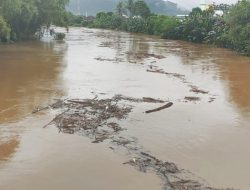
(161, 24)
(52, 11)
(137, 25)
(120, 8)
(238, 20)
(130, 5)
(140, 8)
(196, 26)
(25, 17)
(4, 30)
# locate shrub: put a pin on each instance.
(4, 30)
(137, 25)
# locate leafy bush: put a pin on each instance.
(26, 17)
(196, 27)
(161, 24)
(238, 20)
(109, 21)
(103, 20)
(4, 30)
(140, 8)
(137, 25)
(219, 34)
(74, 20)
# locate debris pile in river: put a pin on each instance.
(146, 161)
(96, 118)
(115, 60)
(92, 117)
(196, 90)
(193, 88)
(143, 55)
(173, 177)
(192, 98)
(154, 69)
(107, 44)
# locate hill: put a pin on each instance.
(91, 7)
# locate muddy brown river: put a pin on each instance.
(206, 131)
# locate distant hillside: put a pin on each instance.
(91, 7)
(165, 7)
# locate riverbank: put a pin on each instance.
(229, 30)
(98, 65)
(166, 36)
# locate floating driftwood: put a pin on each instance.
(168, 105)
(96, 118)
(196, 90)
(192, 98)
(142, 55)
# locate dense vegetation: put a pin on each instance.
(139, 19)
(21, 19)
(232, 30)
(92, 7)
(238, 21)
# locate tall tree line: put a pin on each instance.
(21, 19)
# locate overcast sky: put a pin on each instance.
(194, 3)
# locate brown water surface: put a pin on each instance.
(209, 137)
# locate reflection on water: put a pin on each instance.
(7, 148)
(229, 67)
(235, 71)
(209, 138)
(29, 75)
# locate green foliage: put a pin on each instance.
(109, 21)
(23, 21)
(74, 20)
(140, 8)
(137, 25)
(103, 20)
(161, 24)
(25, 17)
(238, 20)
(52, 11)
(4, 30)
(196, 27)
(121, 8)
(219, 34)
(130, 5)
(230, 31)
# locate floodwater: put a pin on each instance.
(209, 137)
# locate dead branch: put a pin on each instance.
(168, 105)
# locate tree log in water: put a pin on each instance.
(168, 105)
